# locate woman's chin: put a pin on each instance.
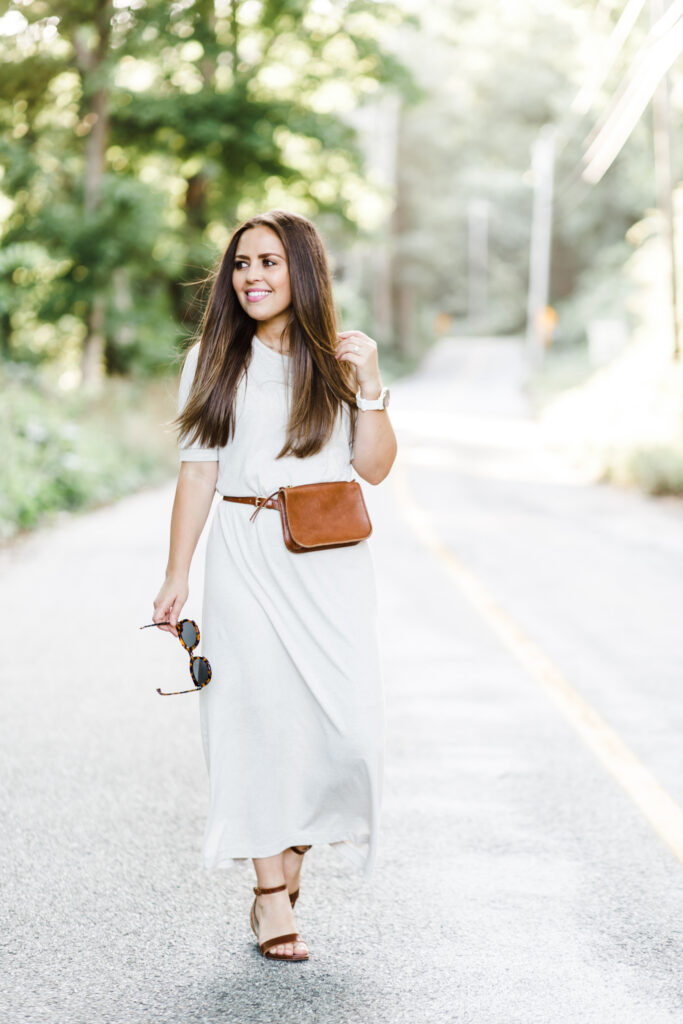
(262, 316)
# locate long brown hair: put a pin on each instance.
(320, 382)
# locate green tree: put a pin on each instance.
(135, 135)
(489, 84)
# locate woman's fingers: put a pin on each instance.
(355, 347)
(355, 334)
(173, 613)
(166, 618)
(352, 350)
(167, 609)
(166, 615)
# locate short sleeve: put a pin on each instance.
(191, 452)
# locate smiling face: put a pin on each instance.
(260, 274)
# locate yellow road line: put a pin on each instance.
(661, 810)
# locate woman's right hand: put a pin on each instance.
(169, 602)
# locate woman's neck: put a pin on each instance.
(273, 333)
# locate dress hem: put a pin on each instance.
(348, 846)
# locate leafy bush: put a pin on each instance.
(658, 470)
(74, 452)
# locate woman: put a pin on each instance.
(292, 720)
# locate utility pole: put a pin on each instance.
(542, 170)
(664, 177)
(478, 257)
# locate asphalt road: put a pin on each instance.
(530, 868)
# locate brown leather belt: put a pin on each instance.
(252, 500)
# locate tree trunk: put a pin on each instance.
(403, 290)
(234, 35)
(5, 334)
(95, 148)
(404, 313)
(89, 62)
(92, 359)
(184, 296)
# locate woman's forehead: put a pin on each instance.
(260, 239)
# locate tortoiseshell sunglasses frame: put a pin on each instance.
(193, 657)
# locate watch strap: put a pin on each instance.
(372, 403)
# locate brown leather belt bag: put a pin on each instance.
(331, 514)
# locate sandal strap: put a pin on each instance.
(301, 850)
(266, 892)
(279, 940)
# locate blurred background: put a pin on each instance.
(477, 170)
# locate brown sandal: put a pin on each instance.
(301, 850)
(279, 939)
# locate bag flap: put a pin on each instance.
(331, 512)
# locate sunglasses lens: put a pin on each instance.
(200, 671)
(189, 634)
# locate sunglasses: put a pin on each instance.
(200, 670)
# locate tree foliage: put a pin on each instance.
(490, 82)
(136, 133)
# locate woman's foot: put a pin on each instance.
(274, 916)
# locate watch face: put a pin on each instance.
(386, 398)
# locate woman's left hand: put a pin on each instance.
(355, 347)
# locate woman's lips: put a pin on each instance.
(256, 295)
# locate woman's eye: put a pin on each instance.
(239, 264)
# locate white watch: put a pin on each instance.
(373, 403)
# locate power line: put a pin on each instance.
(664, 45)
(584, 99)
(614, 126)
